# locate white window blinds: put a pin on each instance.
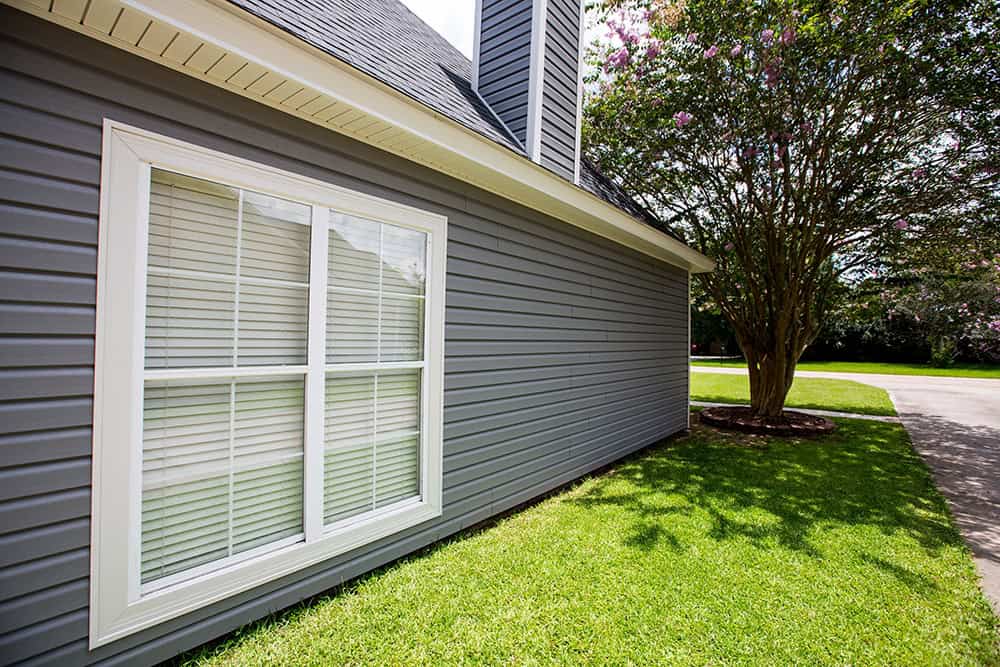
(375, 322)
(227, 296)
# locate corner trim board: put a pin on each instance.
(536, 80)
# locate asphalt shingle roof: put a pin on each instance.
(387, 41)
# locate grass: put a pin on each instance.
(816, 393)
(958, 370)
(707, 549)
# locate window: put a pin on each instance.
(268, 376)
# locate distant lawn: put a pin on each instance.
(958, 370)
(710, 549)
(816, 393)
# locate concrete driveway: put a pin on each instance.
(955, 426)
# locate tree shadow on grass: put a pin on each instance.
(774, 492)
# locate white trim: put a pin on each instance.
(579, 96)
(119, 606)
(315, 417)
(536, 79)
(688, 353)
(476, 39)
(417, 132)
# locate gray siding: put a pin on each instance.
(559, 87)
(504, 59)
(563, 351)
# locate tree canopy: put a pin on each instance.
(798, 144)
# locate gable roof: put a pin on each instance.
(387, 41)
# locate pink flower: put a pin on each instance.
(692, 38)
(920, 173)
(682, 118)
(881, 49)
(836, 20)
(767, 36)
(773, 72)
(619, 58)
(736, 51)
(653, 49)
(729, 246)
(788, 36)
(656, 102)
(728, 136)
(955, 145)
(902, 224)
(712, 51)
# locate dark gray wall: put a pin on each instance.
(559, 86)
(563, 350)
(504, 59)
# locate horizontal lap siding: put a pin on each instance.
(559, 89)
(563, 351)
(504, 61)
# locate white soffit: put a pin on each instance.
(217, 42)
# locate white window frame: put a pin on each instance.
(118, 606)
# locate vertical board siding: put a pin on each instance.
(563, 350)
(559, 89)
(504, 59)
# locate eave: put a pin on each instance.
(214, 41)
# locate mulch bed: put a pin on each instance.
(739, 418)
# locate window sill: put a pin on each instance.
(187, 596)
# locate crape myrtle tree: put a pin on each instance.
(796, 143)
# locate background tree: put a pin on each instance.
(797, 143)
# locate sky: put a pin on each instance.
(452, 18)
(455, 19)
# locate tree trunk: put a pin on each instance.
(771, 375)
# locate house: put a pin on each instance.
(290, 290)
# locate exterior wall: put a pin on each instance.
(559, 87)
(504, 61)
(563, 351)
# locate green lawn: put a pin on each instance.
(817, 393)
(708, 549)
(958, 370)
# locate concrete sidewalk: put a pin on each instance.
(954, 424)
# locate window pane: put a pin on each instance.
(350, 452)
(189, 322)
(402, 329)
(397, 448)
(275, 239)
(403, 260)
(221, 470)
(354, 261)
(192, 224)
(274, 324)
(372, 442)
(352, 327)
(225, 286)
(185, 476)
(267, 462)
(376, 286)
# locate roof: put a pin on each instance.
(385, 40)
